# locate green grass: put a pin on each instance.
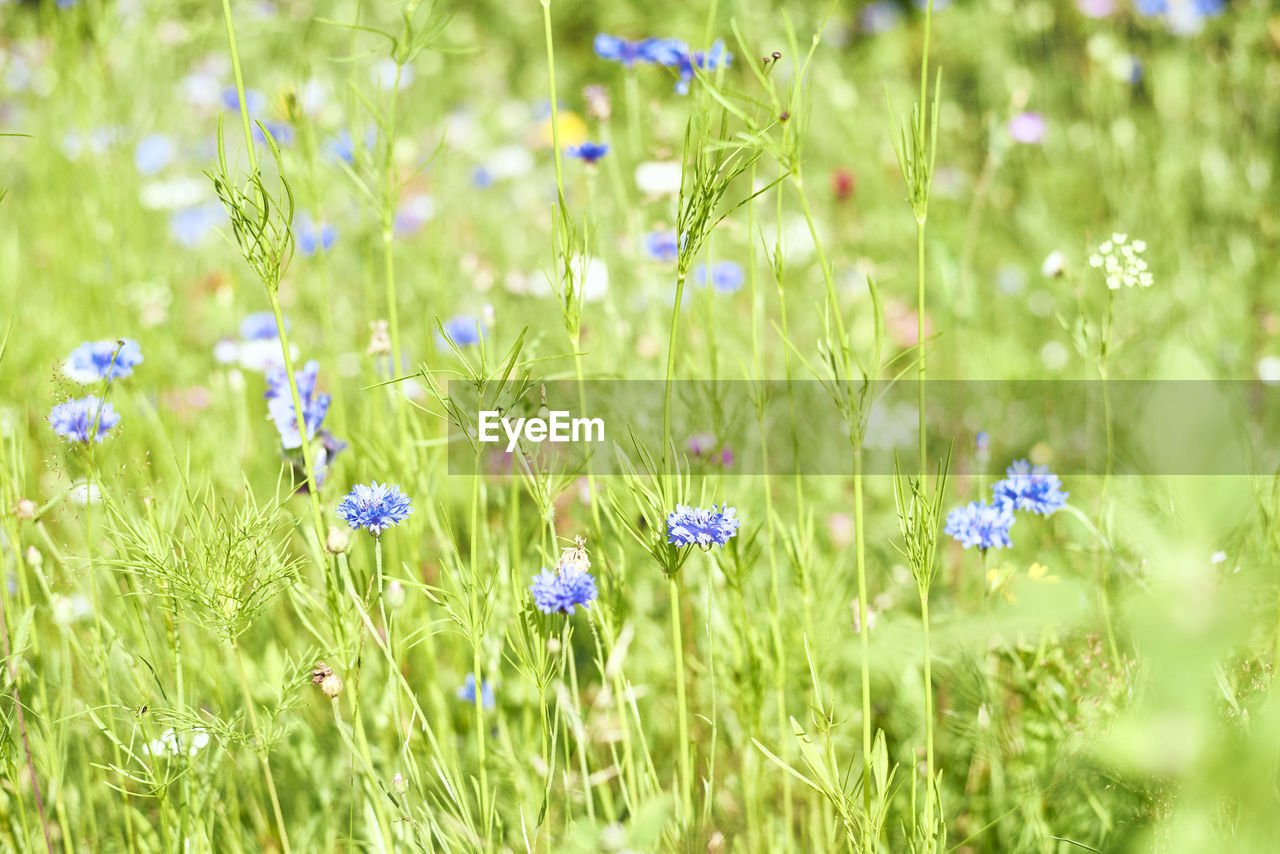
(1104, 684)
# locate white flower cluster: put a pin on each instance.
(1121, 260)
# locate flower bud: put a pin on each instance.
(398, 785)
(25, 509)
(338, 541)
(395, 595)
(34, 558)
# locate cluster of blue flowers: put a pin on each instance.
(698, 526)
(95, 361)
(89, 418)
(668, 53)
(1025, 487)
(280, 403)
(74, 420)
(375, 507)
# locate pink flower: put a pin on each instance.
(1027, 128)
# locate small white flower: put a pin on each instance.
(1121, 262)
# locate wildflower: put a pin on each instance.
(1027, 128)
(710, 60)
(843, 184)
(254, 100)
(575, 557)
(398, 785)
(662, 245)
(328, 681)
(94, 361)
(1054, 264)
(152, 153)
(74, 420)
(983, 525)
(312, 237)
(689, 526)
(1182, 17)
(190, 226)
(261, 326)
(328, 447)
(463, 330)
(468, 692)
(169, 743)
(726, 276)
(1029, 487)
(280, 403)
(375, 507)
(588, 152)
(1121, 261)
(628, 53)
(559, 591)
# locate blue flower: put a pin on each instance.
(880, 17)
(666, 52)
(468, 692)
(94, 361)
(1029, 487)
(588, 152)
(560, 591)
(280, 133)
(74, 419)
(190, 226)
(983, 525)
(311, 237)
(152, 153)
(280, 403)
(1181, 18)
(726, 276)
(982, 443)
(689, 526)
(662, 245)
(709, 60)
(261, 326)
(256, 101)
(326, 449)
(463, 329)
(374, 507)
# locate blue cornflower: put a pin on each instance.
(375, 507)
(983, 525)
(689, 526)
(94, 361)
(463, 329)
(726, 276)
(560, 591)
(280, 133)
(709, 60)
(190, 226)
(588, 152)
(1029, 487)
(662, 245)
(256, 101)
(311, 237)
(615, 49)
(261, 326)
(468, 692)
(667, 52)
(152, 153)
(73, 420)
(280, 403)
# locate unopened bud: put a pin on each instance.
(338, 541)
(25, 509)
(398, 785)
(34, 558)
(328, 681)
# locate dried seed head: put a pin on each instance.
(328, 681)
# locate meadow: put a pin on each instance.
(935, 505)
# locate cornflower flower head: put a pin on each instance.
(689, 526)
(1029, 487)
(1181, 17)
(261, 326)
(312, 237)
(726, 276)
(588, 152)
(463, 329)
(980, 524)
(561, 590)
(280, 403)
(95, 361)
(74, 420)
(628, 53)
(375, 507)
(467, 692)
(662, 245)
(1121, 261)
(703, 60)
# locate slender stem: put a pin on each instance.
(477, 640)
(864, 631)
(920, 305)
(671, 366)
(22, 723)
(677, 646)
(930, 790)
(261, 749)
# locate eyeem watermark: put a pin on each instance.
(557, 427)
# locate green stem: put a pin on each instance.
(677, 646)
(930, 790)
(261, 749)
(671, 367)
(864, 631)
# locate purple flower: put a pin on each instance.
(662, 245)
(1027, 128)
(74, 420)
